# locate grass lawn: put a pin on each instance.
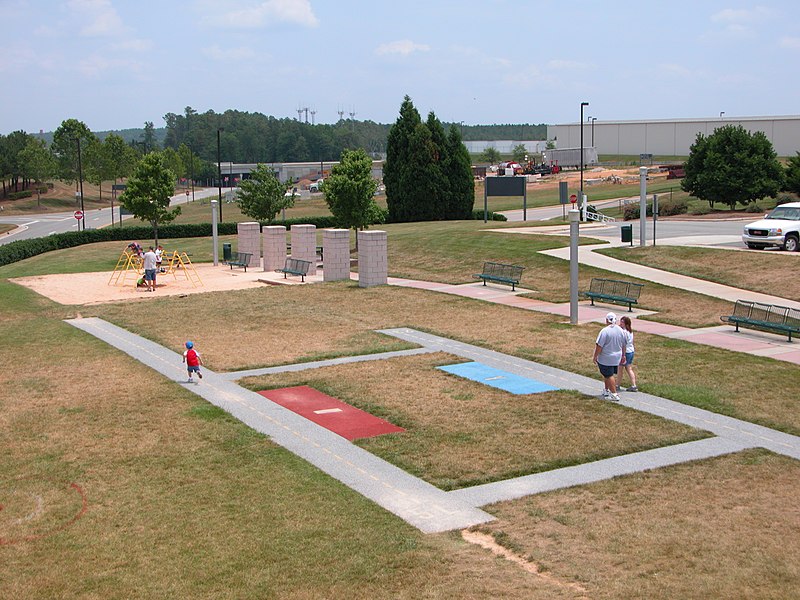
(184, 501)
(759, 270)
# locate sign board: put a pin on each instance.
(645, 157)
(119, 187)
(563, 192)
(573, 198)
(78, 214)
(505, 186)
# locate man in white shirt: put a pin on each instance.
(150, 269)
(609, 354)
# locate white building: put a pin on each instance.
(670, 137)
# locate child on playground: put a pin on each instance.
(193, 361)
(625, 324)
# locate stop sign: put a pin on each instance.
(78, 214)
(573, 198)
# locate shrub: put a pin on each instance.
(700, 209)
(678, 206)
(20, 195)
(477, 215)
(753, 208)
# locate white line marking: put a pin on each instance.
(326, 411)
(495, 378)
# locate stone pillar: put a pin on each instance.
(250, 241)
(336, 252)
(373, 261)
(274, 247)
(304, 245)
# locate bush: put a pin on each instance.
(701, 209)
(477, 215)
(631, 212)
(668, 208)
(753, 208)
(20, 195)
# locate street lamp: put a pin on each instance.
(582, 105)
(593, 120)
(219, 175)
(722, 114)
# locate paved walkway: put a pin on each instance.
(723, 336)
(417, 502)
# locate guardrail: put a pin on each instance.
(598, 216)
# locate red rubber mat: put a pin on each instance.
(340, 418)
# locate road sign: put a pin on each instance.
(187, 193)
(78, 214)
(573, 198)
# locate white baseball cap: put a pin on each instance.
(611, 318)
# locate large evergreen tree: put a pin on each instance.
(457, 168)
(65, 147)
(732, 166)
(397, 162)
(438, 186)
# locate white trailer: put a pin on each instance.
(570, 157)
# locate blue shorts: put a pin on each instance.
(629, 358)
(607, 371)
(149, 274)
(193, 369)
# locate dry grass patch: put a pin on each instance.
(722, 528)
(757, 271)
(461, 433)
(184, 501)
(281, 325)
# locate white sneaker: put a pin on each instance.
(605, 395)
(614, 397)
(190, 380)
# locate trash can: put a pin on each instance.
(627, 233)
(226, 252)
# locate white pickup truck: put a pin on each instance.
(779, 228)
(316, 186)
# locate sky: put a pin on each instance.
(115, 64)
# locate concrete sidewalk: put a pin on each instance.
(410, 498)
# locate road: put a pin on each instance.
(723, 233)
(41, 225)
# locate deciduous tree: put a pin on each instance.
(263, 196)
(349, 191)
(732, 166)
(38, 163)
(149, 191)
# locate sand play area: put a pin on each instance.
(94, 288)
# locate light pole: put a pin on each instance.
(80, 180)
(593, 120)
(722, 114)
(219, 175)
(582, 105)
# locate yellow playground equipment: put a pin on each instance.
(177, 263)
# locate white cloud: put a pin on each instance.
(792, 43)
(98, 17)
(566, 64)
(95, 65)
(246, 14)
(216, 53)
(741, 15)
(402, 47)
(135, 45)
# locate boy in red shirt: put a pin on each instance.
(193, 361)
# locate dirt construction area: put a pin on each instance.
(96, 288)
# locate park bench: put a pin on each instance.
(766, 317)
(614, 291)
(295, 266)
(240, 259)
(500, 273)
(318, 249)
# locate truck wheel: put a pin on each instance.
(791, 244)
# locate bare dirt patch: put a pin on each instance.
(95, 288)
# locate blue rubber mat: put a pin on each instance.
(516, 384)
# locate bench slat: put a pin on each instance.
(501, 273)
(767, 317)
(614, 290)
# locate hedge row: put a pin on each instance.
(22, 249)
(666, 208)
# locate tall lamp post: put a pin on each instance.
(593, 120)
(80, 180)
(582, 105)
(219, 175)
